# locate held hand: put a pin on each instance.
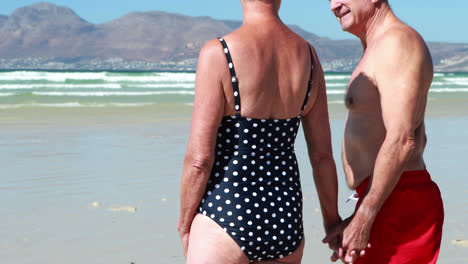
(335, 245)
(334, 238)
(355, 239)
(339, 237)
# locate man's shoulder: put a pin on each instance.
(400, 51)
(400, 46)
(400, 37)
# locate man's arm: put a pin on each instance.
(399, 74)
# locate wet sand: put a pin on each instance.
(101, 185)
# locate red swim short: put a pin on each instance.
(408, 228)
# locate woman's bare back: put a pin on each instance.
(273, 66)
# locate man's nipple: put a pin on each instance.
(349, 101)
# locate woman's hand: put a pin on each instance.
(334, 242)
(184, 237)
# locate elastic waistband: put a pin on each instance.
(407, 178)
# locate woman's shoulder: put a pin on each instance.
(211, 53)
(211, 48)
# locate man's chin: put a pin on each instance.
(345, 27)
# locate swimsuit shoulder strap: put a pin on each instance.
(309, 83)
(235, 81)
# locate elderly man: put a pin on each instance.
(399, 215)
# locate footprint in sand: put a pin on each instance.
(460, 242)
(128, 209)
(95, 204)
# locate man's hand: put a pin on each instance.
(353, 235)
(355, 238)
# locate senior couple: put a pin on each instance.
(241, 197)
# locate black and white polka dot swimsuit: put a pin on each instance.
(254, 192)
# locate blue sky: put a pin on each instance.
(436, 20)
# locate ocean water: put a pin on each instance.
(90, 165)
(132, 89)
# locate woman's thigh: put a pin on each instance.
(209, 243)
(294, 258)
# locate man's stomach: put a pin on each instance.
(362, 140)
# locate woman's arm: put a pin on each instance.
(318, 137)
(208, 110)
(317, 133)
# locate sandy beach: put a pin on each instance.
(87, 185)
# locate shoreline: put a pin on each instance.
(180, 111)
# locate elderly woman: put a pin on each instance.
(241, 198)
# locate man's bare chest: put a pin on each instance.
(362, 92)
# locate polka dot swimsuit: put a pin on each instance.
(254, 192)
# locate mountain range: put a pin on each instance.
(47, 36)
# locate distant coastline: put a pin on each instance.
(45, 36)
